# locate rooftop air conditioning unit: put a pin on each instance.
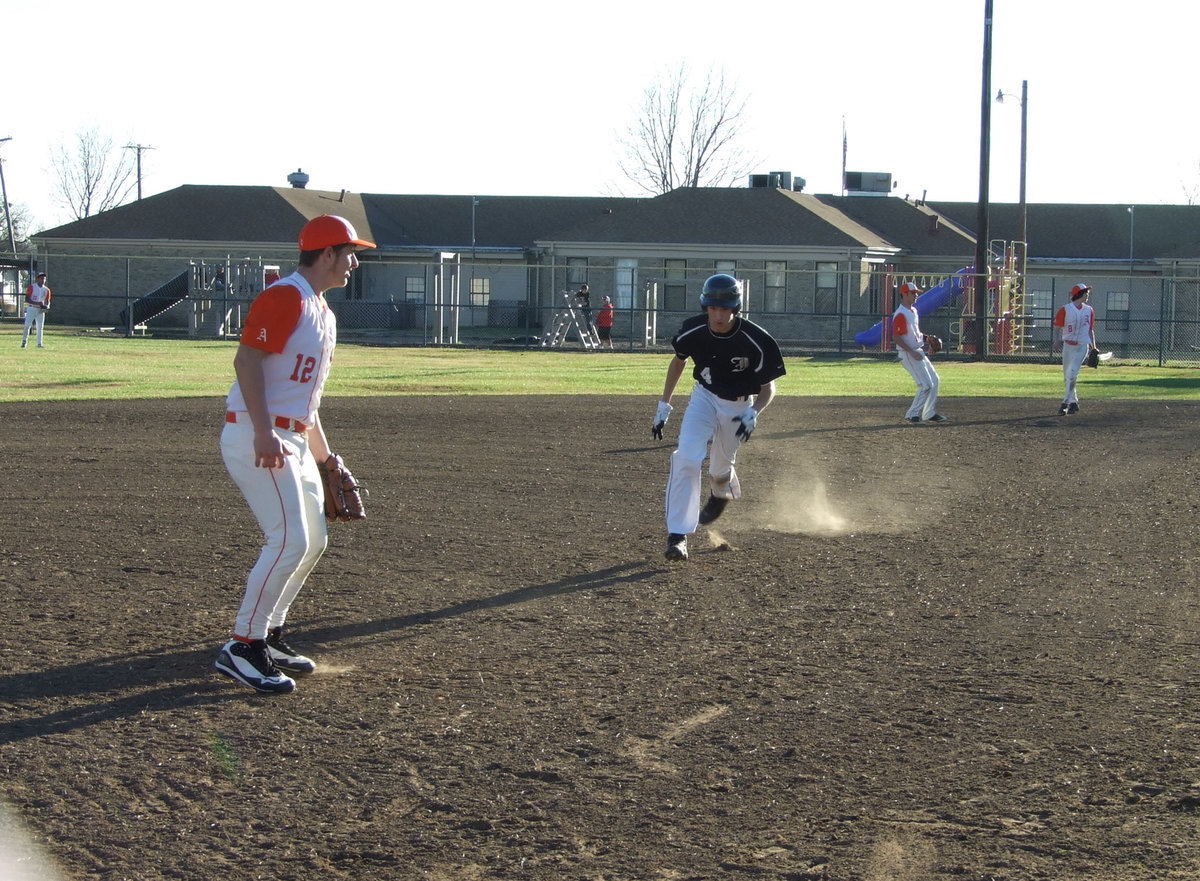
(868, 183)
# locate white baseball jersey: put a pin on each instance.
(1077, 323)
(296, 327)
(906, 324)
(37, 294)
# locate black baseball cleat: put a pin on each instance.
(249, 664)
(712, 509)
(676, 547)
(913, 420)
(285, 657)
(1073, 408)
(1062, 409)
(937, 417)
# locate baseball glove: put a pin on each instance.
(343, 495)
(1093, 357)
(933, 343)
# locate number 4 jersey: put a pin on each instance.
(297, 330)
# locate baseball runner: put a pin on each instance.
(37, 304)
(735, 365)
(274, 447)
(906, 334)
(1077, 322)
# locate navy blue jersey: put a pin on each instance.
(729, 365)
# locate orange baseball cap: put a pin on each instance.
(1079, 290)
(329, 230)
(910, 286)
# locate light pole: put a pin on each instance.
(982, 260)
(1131, 207)
(12, 243)
(1022, 231)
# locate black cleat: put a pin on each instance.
(284, 656)
(914, 420)
(1062, 409)
(1073, 408)
(249, 664)
(937, 417)
(676, 547)
(712, 509)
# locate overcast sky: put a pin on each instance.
(531, 97)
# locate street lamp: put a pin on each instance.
(1001, 98)
(12, 243)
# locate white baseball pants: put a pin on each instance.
(707, 418)
(34, 315)
(1073, 357)
(289, 505)
(921, 370)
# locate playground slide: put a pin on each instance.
(927, 303)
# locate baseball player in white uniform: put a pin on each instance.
(735, 365)
(906, 334)
(1077, 321)
(273, 440)
(37, 304)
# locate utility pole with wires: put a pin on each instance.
(12, 244)
(139, 148)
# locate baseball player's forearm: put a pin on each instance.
(765, 396)
(318, 444)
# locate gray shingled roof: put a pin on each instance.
(723, 216)
(1090, 232)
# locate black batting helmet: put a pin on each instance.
(721, 290)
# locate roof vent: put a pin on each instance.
(298, 179)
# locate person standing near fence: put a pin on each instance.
(906, 334)
(604, 322)
(1077, 323)
(273, 441)
(37, 304)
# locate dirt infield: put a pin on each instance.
(910, 653)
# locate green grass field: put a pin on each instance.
(78, 366)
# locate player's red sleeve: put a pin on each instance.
(1060, 317)
(272, 317)
(899, 325)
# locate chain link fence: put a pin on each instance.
(1148, 315)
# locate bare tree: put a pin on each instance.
(686, 137)
(94, 176)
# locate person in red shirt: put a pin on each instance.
(604, 322)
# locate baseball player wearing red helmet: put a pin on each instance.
(273, 440)
(1077, 323)
(37, 304)
(907, 336)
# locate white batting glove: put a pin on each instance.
(660, 419)
(748, 420)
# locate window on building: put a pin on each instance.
(1039, 307)
(774, 286)
(481, 291)
(414, 289)
(729, 267)
(1116, 310)
(577, 272)
(674, 292)
(626, 278)
(825, 300)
